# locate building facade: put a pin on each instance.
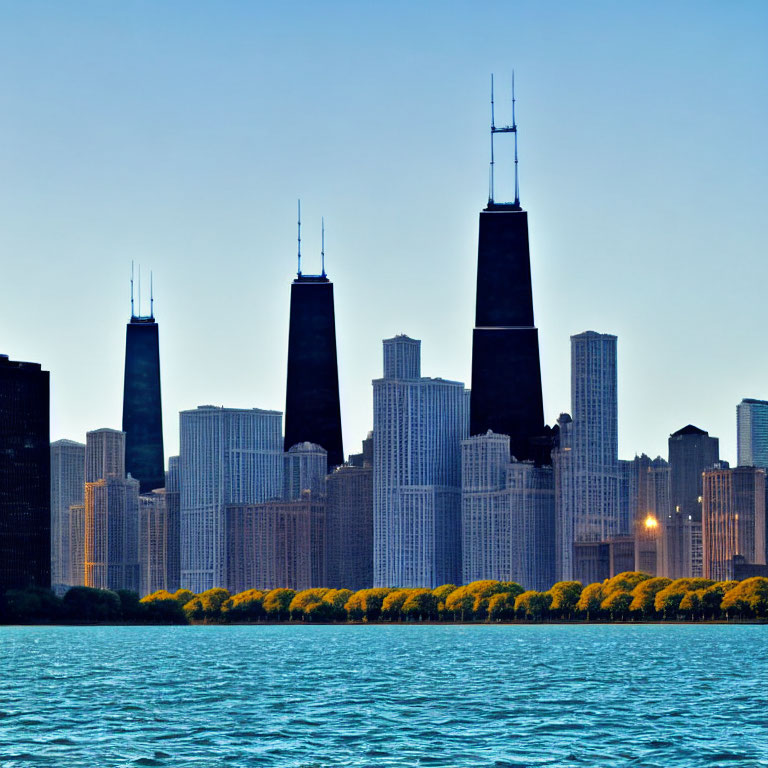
(104, 454)
(153, 542)
(752, 433)
(304, 469)
(25, 476)
(173, 516)
(67, 489)
(228, 456)
(565, 500)
(418, 425)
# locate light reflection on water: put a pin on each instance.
(375, 696)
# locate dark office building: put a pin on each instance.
(173, 523)
(691, 451)
(25, 476)
(312, 410)
(506, 375)
(142, 410)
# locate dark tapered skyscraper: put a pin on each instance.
(142, 410)
(506, 375)
(25, 476)
(312, 410)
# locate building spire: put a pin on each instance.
(299, 272)
(322, 243)
(493, 130)
(503, 129)
(139, 290)
(151, 297)
(133, 314)
(514, 128)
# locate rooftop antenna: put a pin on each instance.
(151, 297)
(493, 130)
(299, 272)
(322, 241)
(504, 129)
(133, 314)
(139, 290)
(514, 128)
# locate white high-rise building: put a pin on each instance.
(67, 489)
(752, 433)
(594, 408)
(305, 467)
(104, 454)
(418, 426)
(227, 456)
(508, 515)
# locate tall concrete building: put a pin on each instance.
(733, 519)
(508, 515)
(349, 527)
(111, 550)
(312, 409)
(153, 542)
(651, 512)
(227, 456)
(25, 476)
(104, 454)
(76, 548)
(752, 433)
(506, 373)
(142, 406)
(691, 451)
(304, 469)
(418, 425)
(67, 489)
(594, 407)
(565, 500)
(173, 523)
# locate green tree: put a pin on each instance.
(532, 605)
(690, 605)
(183, 596)
(668, 599)
(420, 605)
(90, 605)
(245, 606)
(391, 606)
(365, 604)
(277, 602)
(501, 607)
(162, 608)
(206, 606)
(308, 605)
(590, 600)
(565, 597)
(130, 607)
(336, 599)
(644, 596)
(616, 605)
(30, 606)
(747, 599)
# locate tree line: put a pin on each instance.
(630, 596)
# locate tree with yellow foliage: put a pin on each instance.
(277, 602)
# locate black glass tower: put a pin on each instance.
(25, 476)
(142, 409)
(312, 409)
(506, 372)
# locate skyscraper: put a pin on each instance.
(562, 464)
(153, 542)
(173, 523)
(506, 375)
(691, 451)
(594, 407)
(752, 433)
(228, 456)
(508, 515)
(67, 489)
(733, 519)
(418, 425)
(312, 409)
(651, 512)
(304, 469)
(142, 409)
(104, 454)
(25, 476)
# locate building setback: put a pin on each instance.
(733, 520)
(349, 527)
(25, 476)
(508, 515)
(418, 426)
(67, 489)
(142, 407)
(228, 456)
(752, 433)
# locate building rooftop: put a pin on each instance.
(689, 430)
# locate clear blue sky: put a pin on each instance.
(179, 134)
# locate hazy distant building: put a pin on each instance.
(111, 533)
(591, 561)
(104, 454)
(76, 547)
(365, 458)
(691, 451)
(276, 544)
(67, 489)
(173, 524)
(752, 433)
(733, 519)
(508, 515)
(25, 476)
(349, 527)
(153, 542)
(418, 425)
(651, 512)
(565, 501)
(626, 527)
(142, 408)
(304, 469)
(594, 408)
(227, 456)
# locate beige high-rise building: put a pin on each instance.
(153, 542)
(104, 454)
(67, 489)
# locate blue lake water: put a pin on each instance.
(453, 696)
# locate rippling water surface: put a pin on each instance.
(450, 696)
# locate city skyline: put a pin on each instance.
(583, 274)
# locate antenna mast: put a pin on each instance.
(504, 129)
(151, 297)
(493, 130)
(133, 314)
(139, 290)
(299, 272)
(514, 128)
(322, 241)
